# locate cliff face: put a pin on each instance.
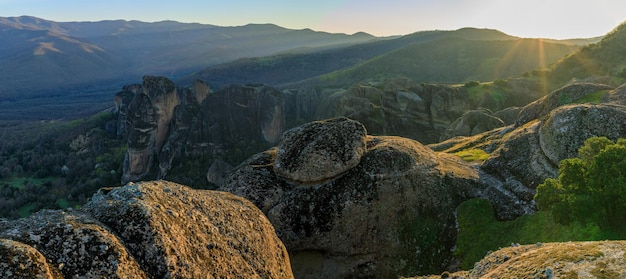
(148, 121)
(146, 230)
(163, 125)
(350, 205)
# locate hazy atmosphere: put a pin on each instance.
(558, 19)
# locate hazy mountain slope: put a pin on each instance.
(605, 58)
(289, 68)
(47, 59)
(454, 60)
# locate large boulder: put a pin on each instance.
(147, 230)
(320, 150)
(391, 214)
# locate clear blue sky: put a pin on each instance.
(525, 18)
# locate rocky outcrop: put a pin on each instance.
(601, 259)
(163, 126)
(547, 131)
(147, 123)
(146, 230)
(320, 150)
(390, 214)
(566, 95)
(471, 123)
(218, 172)
(400, 107)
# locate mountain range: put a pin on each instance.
(52, 70)
(61, 62)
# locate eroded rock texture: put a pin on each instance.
(547, 131)
(391, 214)
(146, 230)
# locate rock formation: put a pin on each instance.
(602, 259)
(148, 122)
(146, 230)
(547, 131)
(400, 107)
(371, 207)
(163, 126)
(471, 123)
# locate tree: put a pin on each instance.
(590, 188)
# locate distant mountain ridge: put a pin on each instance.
(42, 58)
(429, 56)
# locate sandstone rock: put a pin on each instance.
(320, 150)
(392, 214)
(471, 123)
(147, 230)
(401, 107)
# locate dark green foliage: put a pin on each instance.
(33, 157)
(590, 188)
(480, 232)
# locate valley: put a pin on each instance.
(367, 157)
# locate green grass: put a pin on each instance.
(473, 155)
(594, 98)
(480, 232)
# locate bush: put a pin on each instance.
(590, 188)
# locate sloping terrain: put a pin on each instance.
(44, 62)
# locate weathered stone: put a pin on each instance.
(75, 244)
(218, 172)
(567, 128)
(177, 232)
(18, 260)
(147, 124)
(391, 215)
(320, 150)
(146, 230)
(565, 95)
(471, 123)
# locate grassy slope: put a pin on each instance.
(480, 232)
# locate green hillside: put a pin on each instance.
(605, 58)
(454, 60)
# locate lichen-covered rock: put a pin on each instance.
(146, 230)
(177, 232)
(563, 96)
(392, 214)
(320, 150)
(594, 259)
(523, 155)
(75, 244)
(18, 260)
(567, 128)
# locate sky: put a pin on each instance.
(556, 19)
